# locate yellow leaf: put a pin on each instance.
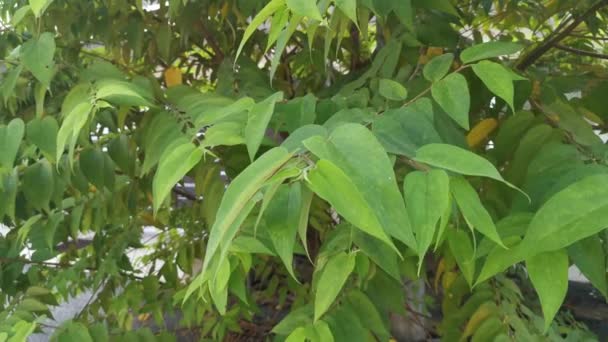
(173, 77)
(448, 279)
(484, 311)
(481, 131)
(439, 273)
(431, 52)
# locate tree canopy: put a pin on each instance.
(300, 162)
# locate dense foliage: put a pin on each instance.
(306, 166)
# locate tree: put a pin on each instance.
(300, 161)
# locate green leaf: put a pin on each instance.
(498, 80)
(122, 93)
(588, 255)
(406, 129)
(452, 95)
(9, 82)
(282, 44)
(258, 120)
(476, 216)
(172, 168)
(20, 14)
(70, 128)
(37, 56)
(277, 24)
(463, 252)
(37, 184)
(333, 185)
(39, 6)
(238, 195)
(488, 50)
(438, 67)
(305, 8)
(218, 114)
(331, 280)
(10, 140)
(294, 142)
(97, 167)
(218, 287)
(459, 160)
(367, 312)
(8, 194)
(549, 274)
(33, 305)
(348, 7)
(427, 198)
(378, 252)
(355, 150)
(295, 318)
(578, 211)
(257, 21)
(392, 90)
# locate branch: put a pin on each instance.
(581, 52)
(553, 40)
(574, 35)
(184, 193)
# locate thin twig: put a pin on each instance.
(581, 52)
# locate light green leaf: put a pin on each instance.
(472, 209)
(37, 184)
(217, 114)
(463, 251)
(294, 141)
(452, 95)
(331, 280)
(218, 288)
(459, 160)
(10, 140)
(20, 14)
(43, 134)
(258, 120)
(37, 56)
(427, 198)
(333, 185)
(257, 21)
(497, 78)
(323, 332)
(392, 90)
(303, 213)
(549, 274)
(277, 24)
(10, 81)
(305, 8)
(348, 7)
(488, 50)
(282, 44)
(438, 67)
(578, 211)
(172, 168)
(122, 93)
(295, 318)
(70, 128)
(39, 6)
(355, 150)
(239, 194)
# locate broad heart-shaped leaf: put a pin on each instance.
(330, 183)
(305, 8)
(459, 160)
(238, 196)
(37, 56)
(463, 251)
(589, 256)
(355, 150)
(122, 93)
(452, 95)
(474, 213)
(488, 50)
(427, 198)
(10, 140)
(548, 272)
(438, 67)
(37, 184)
(392, 90)
(281, 219)
(259, 19)
(331, 280)
(348, 7)
(578, 211)
(404, 130)
(43, 134)
(38, 6)
(173, 166)
(258, 120)
(497, 78)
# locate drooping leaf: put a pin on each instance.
(258, 120)
(348, 7)
(39, 6)
(438, 67)
(588, 255)
(488, 50)
(548, 272)
(306, 8)
(475, 214)
(332, 278)
(70, 128)
(258, 20)
(10, 140)
(463, 251)
(452, 94)
(392, 90)
(122, 93)
(172, 168)
(497, 78)
(427, 197)
(367, 312)
(38, 184)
